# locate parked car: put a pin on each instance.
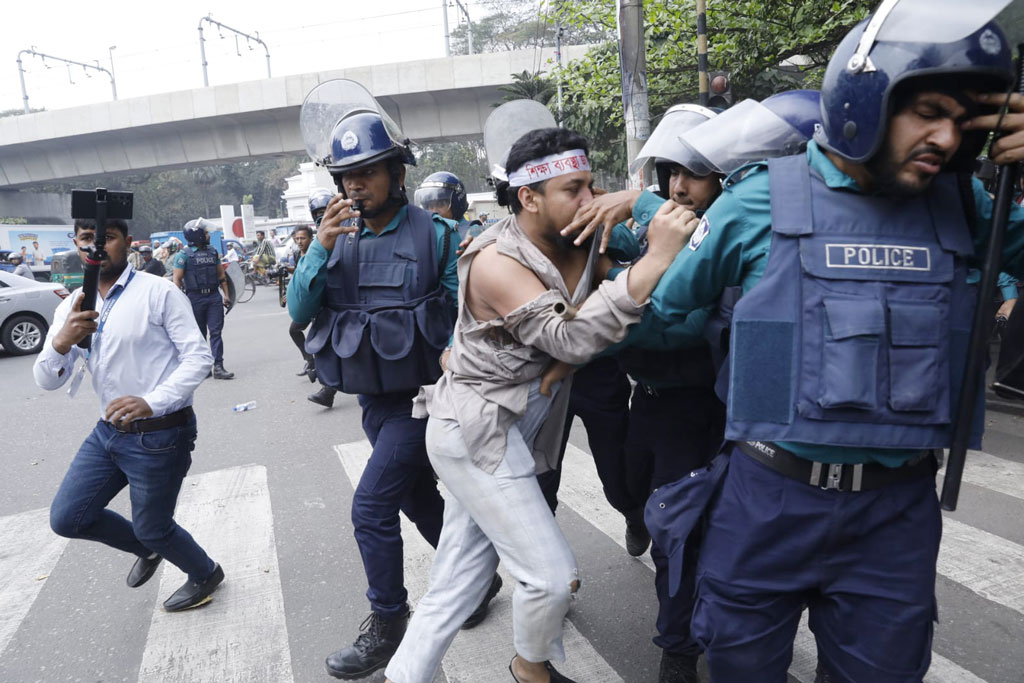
(26, 312)
(66, 269)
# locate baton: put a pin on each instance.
(1006, 186)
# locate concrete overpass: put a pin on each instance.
(437, 99)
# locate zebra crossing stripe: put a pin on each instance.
(993, 473)
(1005, 569)
(241, 635)
(28, 552)
(987, 564)
(480, 654)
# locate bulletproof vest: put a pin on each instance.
(857, 333)
(201, 275)
(716, 332)
(387, 316)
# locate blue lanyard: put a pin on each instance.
(108, 305)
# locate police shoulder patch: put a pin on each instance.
(703, 228)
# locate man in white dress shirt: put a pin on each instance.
(146, 359)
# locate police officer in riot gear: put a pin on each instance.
(318, 199)
(380, 286)
(199, 272)
(444, 194)
(846, 352)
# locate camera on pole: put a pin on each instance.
(101, 206)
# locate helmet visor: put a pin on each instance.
(745, 132)
(506, 125)
(937, 21)
(433, 197)
(664, 142)
(329, 103)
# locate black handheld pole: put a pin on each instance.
(92, 257)
(1006, 187)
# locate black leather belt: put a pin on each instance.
(835, 475)
(152, 424)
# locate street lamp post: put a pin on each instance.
(202, 43)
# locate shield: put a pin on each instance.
(933, 21)
(506, 125)
(745, 132)
(664, 141)
(330, 102)
(236, 282)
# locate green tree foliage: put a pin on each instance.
(766, 45)
(465, 159)
(528, 86)
(4, 113)
(513, 25)
(167, 199)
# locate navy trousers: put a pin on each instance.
(862, 563)
(398, 477)
(209, 312)
(672, 433)
(152, 466)
(600, 397)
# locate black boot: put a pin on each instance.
(373, 648)
(637, 536)
(324, 397)
(307, 366)
(678, 668)
(220, 373)
(480, 613)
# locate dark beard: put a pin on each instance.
(112, 272)
(885, 171)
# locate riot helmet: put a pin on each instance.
(663, 146)
(14, 256)
(197, 232)
(751, 131)
(345, 128)
(503, 127)
(440, 192)
(948, 41)
(146, 249)
(319, 198)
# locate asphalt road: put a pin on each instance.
(269, 495)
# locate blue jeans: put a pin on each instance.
(209, 312)
(153, 466)
(397, 478)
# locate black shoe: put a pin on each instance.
(220, 373)
(677, 668)
(194, 594)
(552, 673)
(1008, 392)
(637, 536)
(324, 397)
(373, 648)
(305, 369)
(480, 613)
(142, 571)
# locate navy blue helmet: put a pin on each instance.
(361, 139)
(197, 231)
(799, 108)
(440, 191)
(319, 197)
(948, 41)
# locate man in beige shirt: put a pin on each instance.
(524, 315)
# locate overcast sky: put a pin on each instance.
(158, 42)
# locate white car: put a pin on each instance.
(26, 311)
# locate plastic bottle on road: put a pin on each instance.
(242, 407)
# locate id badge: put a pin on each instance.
(76, 379)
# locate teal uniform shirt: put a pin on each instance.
(309, 282)
(734, 251)
(180, 259)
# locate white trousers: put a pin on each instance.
(489, 517)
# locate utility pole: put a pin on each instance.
(68, 62)
(702, 51)
(110, 51)
(202, 43)
(633, 61)
(558, 61)
(469, 25)
(447, 38)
